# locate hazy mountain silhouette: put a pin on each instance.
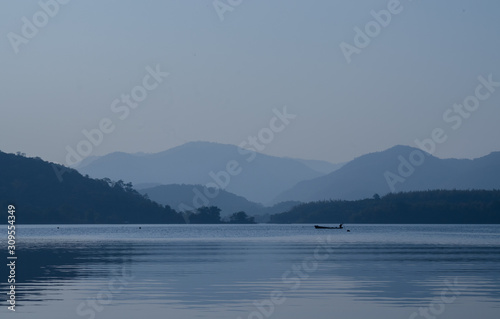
(367, 175)
(257, 177)
(189, 197)
(321, 166)
(194, 196)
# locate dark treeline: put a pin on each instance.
(424, 207)
(211, 215)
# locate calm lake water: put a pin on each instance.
(255, 271)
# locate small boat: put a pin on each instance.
(325, 227)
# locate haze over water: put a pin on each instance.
(258, 271)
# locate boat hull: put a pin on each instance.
(325, 227)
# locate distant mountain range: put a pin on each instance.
(190, 197)
(44, 192)
(267, 179)
(257, 177)
(400, 168)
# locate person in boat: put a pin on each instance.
(340, 226)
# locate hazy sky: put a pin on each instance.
(226, 76)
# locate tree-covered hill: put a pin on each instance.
(425, 207)
(48, 193)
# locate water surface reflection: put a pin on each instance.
(212, 275)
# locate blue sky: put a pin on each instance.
(226, 77)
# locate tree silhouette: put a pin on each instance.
(206, 215)
(241, 218)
